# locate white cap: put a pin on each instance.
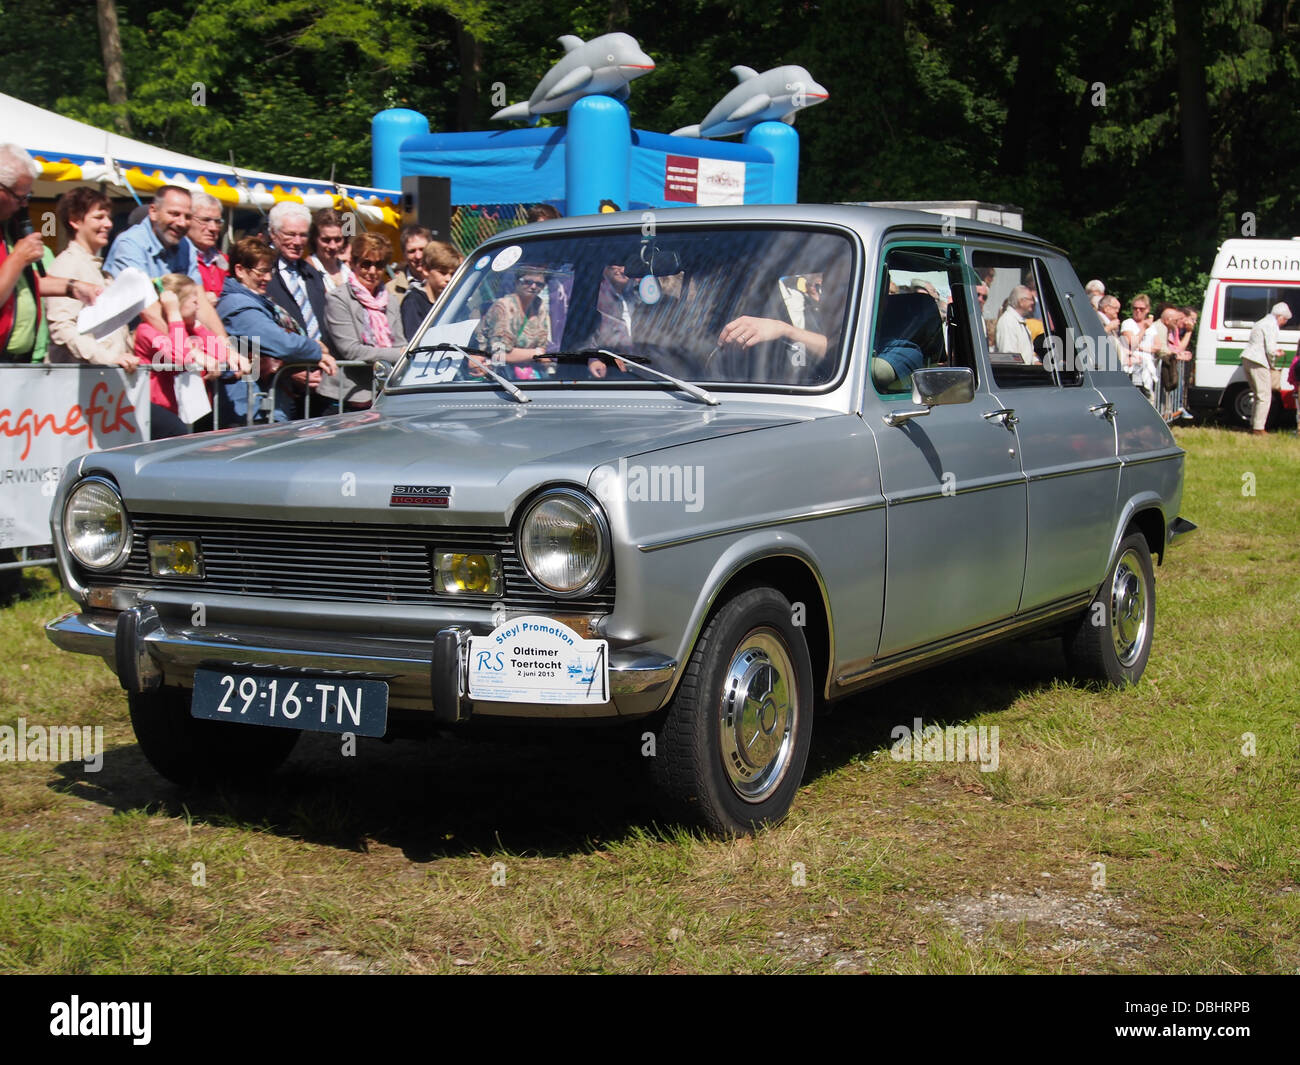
(1281, 308)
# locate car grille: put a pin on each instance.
(330, 562)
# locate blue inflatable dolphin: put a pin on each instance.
(776, 94)
(602, 65)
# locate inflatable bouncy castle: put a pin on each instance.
(597, 160)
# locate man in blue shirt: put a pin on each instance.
(160, 245)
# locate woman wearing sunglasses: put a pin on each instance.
(364, 321)
(517, 327)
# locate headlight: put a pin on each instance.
(95, 525)
(564, 542)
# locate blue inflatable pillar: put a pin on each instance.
(782, 142)
(597, 154)
(387, 131)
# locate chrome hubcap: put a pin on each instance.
(757, 715)
(1128, 609)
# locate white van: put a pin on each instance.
(1249, 276)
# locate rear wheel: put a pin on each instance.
(731, 751)
(1111, 640)
(1240, 404)
(189, 750)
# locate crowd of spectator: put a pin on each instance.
(306, 291)
(1154, 346)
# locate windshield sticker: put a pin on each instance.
(482, 262)
(507, 257)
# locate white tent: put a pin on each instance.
(74, 152)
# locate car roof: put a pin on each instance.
(869, 221)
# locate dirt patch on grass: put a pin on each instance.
(1094, 929)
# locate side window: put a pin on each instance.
(1244, 305)
(923, 314)
(1023, 321)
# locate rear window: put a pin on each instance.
(1244, 305)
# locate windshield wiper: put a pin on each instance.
(635, 362)
(485, 366)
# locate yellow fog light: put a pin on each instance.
(175, 558)
(462, 573)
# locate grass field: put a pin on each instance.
(1150, 830)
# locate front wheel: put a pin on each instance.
(731, 751)
(189, 750)
(1111, 640)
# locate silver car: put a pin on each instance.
(695, 469)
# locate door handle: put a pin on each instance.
(1007, 417)
(1106, 410)
(899, 417)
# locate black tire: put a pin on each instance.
(1239, 404)
(1111, 640)
(188, 750)
(750, 643)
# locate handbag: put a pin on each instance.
(1168, 370)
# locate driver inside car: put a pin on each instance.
(747, 331)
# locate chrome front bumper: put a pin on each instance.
(145, 654)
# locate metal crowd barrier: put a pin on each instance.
(263, 401)
(40, 555)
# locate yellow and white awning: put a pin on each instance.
(72, 152)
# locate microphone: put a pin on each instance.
(23, 227)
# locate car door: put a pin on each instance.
(1063, 429)
(954, 490)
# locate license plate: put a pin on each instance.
(312, 704)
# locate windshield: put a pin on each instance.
(752, 306)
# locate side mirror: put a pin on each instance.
(941, 386)
(937, 386)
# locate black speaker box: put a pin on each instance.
(426, 201)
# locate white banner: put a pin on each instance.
(48, 416)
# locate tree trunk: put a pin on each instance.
(1029, 85)
(618, 18)
(471, 65)
(1193, 110)
(110, 43)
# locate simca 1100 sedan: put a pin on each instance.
(697, 469)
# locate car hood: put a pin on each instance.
(345, 468)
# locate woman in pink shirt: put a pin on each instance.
(185, 347)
